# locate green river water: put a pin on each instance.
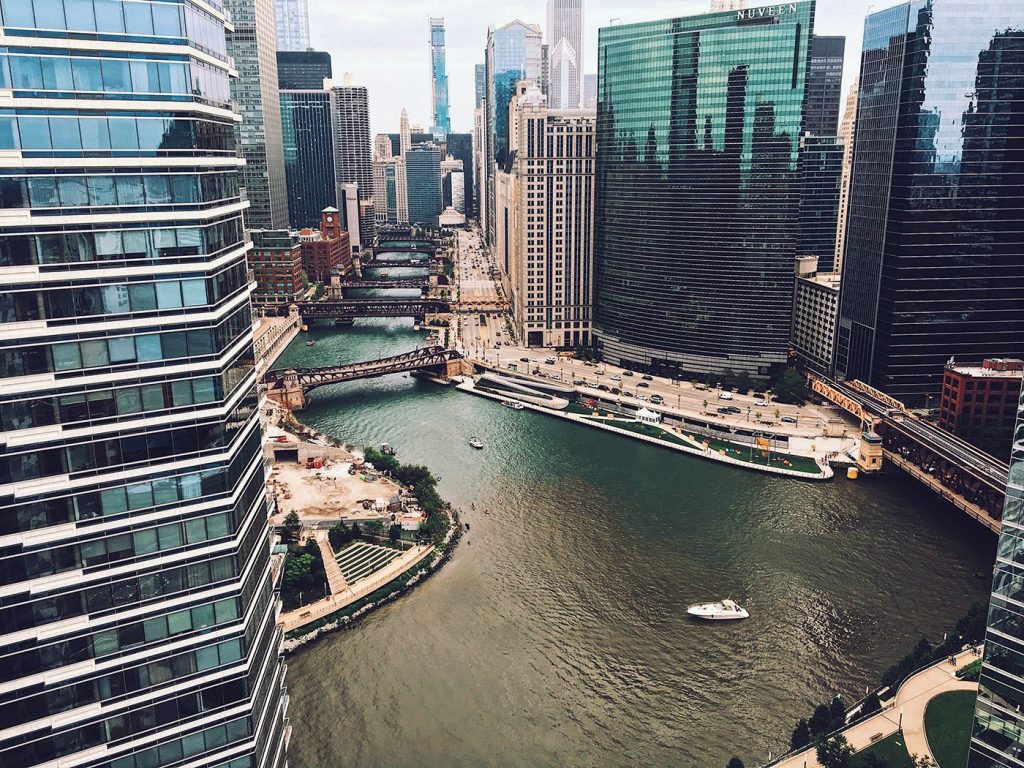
(557, 636)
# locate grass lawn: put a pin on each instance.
(891, 750)
(643, 429)
(947, 723)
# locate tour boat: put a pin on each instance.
(476, 442)
(515, 405)
(723, 611)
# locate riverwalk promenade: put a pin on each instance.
(906, 711)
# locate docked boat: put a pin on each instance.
(310, 343)
(515, 405)
(726, 610)
(476, 442)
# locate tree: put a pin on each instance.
(374, 528)
(838, 711)
(339, 535)
(835, 753)
(735, 762)
(801, 735)
(923, 761)
(791, 388)
(743, 382)
(291, 526)
(357, 531)
(821, 721)
(395, 532)
(871, 704)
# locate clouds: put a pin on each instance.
(385, 43)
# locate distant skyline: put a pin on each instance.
(386, 45)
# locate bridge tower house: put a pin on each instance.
(291, 396)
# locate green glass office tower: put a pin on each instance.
(698, 190)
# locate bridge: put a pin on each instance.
(383, 284)
(350, 309)
(397, 264)
(291, 387)
(967, 477)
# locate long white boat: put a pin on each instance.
(726, 610)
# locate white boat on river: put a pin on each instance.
(726, 610)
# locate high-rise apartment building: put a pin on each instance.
(353, 154)
(698, 189)
(931, 268)
(565, 53)
(423, 179)
(254, 92)
(846, 129)
(438, 79)
(998, 733)
(824, 85)
(137, 626)
(545, 207)
(292, 22)
(390, 191)
(303, 70)
(460, 146)
(307, 133)
(479, 164)
(513, 54)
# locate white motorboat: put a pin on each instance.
(515, 405)
(476, 442)
(726, 610)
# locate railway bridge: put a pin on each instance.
(964, 475)
(291, 387)
(347, 310)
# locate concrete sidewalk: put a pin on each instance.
(911, 700)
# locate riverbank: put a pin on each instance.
(396, 574)
(800, 467)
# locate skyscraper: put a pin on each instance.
(303, 70)
(137, 625)
(438, 79)
(423, 176)
(565, 53)
(404, 134)
(308, 155)
(846, 130)
(353, 154)
(931, 269)
(479, 84)
(546, 216)
(821, 171)
(998, 733)
(590, 91)
(460, 146)
(698, 189)
(824, 85)
(254, 93)
(513, 54)
(292, 22)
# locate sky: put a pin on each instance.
(385, 43)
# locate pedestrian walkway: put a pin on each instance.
(335, 578)
(907, 710)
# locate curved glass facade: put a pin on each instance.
(137, 612)
(698, 189)
(932, 267)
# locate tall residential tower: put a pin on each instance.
(438, 79)
(137, 626)
(292, 21)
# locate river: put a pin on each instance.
(557, 636)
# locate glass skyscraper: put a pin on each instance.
(824, 85)
(291, 19)
(308, 155)
(423, 179)
(998, 735)
(698, 189)
(513, 54)
(932, 264)
(439, 79)
(137, 618)
(303, 70)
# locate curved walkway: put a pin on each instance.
(910, 704)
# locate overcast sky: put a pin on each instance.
(385, 43)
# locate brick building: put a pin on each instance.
(325, 249)
(979, 403)
(276, 261)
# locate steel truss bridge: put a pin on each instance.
(968, 477)
(398, 264)
(350, 309)
(410, 282)
(310, 378)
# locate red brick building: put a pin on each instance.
(276, 261)
(979, 403)
(327, 248)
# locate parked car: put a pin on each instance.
(761, 403)
(550, 360)
(657, 399)
(642, 396)
(627, 373)
(616, 378)
(616, 391)
(788, 420)
(647, 377)
(627, 394)
(723, 410)
(725, 395)
(604, 387)
(524, 359)
(733, 409)
(642, 384)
